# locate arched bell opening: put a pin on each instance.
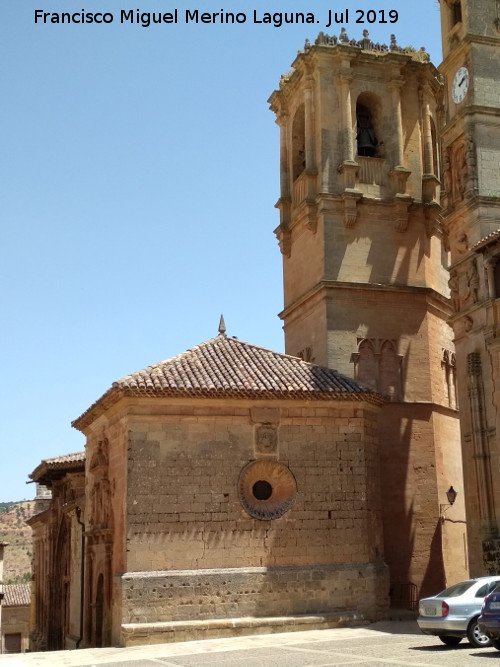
(365, 132)
(368, 139)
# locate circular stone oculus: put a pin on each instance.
(266, 489)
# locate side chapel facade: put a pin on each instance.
(229, 489)
(235, 489)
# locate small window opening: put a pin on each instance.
(435, 150)
(365, 133)
(456, 13)
(262, 490)
(496, 277)
(298, 143)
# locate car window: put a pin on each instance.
(483, 591)
(487, 589)
(456, 589)
(493, 585)
(497, 587)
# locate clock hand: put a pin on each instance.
(463, 79)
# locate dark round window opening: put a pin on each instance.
(262, 490)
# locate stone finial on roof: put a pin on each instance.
(364, 44)
(222, 326)
(343, 37)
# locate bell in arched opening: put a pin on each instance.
(365, 134)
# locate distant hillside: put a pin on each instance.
(14, 531)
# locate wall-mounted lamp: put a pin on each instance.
(451, 495)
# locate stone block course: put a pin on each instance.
(169, 597)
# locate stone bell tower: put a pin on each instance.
(365, 279)
(471, 213)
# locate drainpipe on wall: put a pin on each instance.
(78, 514)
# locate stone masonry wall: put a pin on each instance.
(183, 507)
(163, 597)
(16, 620)
(420, 460)
(193, 551)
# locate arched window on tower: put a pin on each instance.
(365, 132)
(366, 364)
(435, 149)
(298, 143)
(377, 365)
(390, 371)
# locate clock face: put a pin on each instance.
(460, 85)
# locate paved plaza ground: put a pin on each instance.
(385, 643)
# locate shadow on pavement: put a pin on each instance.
(405, 627)
(465, 647)
(441, 648)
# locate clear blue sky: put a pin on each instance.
(139, 172)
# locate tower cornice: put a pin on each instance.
(336, 285)
(462, 114)
(464, 45)
(330, 48)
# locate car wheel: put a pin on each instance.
(449, 640)
(476, 637)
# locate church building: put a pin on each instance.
(233, 489)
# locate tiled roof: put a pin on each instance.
(227, 367)
(491, 238)
(16, 595)
(55, 468)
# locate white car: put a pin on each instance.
(452, 614)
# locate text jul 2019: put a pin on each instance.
(276, 19)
